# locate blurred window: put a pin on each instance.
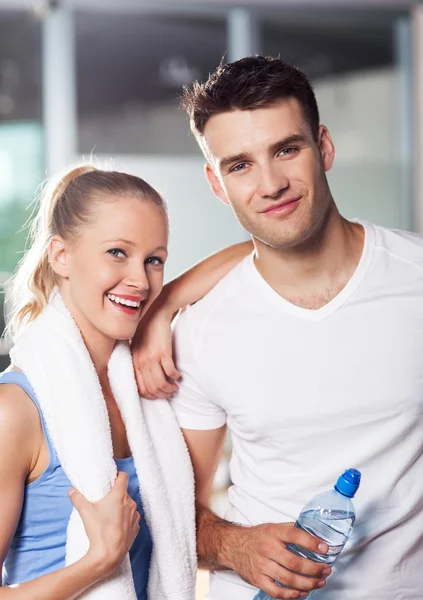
(21, 159)
(130, 72)
(350, 57)
(21, 143)
(20, 66)
(324, 43)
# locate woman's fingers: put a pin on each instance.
(163, 387)
(142, 388)
(153, 378)
(169, 367)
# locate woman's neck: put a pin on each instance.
(99, 345)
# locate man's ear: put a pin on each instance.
(326, 147)
(58, 256)
(215, 184)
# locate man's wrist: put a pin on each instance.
(232, 541)
(219, 541)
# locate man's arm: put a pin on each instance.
(258, 554)
(205, 448)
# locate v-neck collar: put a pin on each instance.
(326, 310)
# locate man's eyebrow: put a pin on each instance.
(295, 138)
(230, 160)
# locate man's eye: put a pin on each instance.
(288, 151)
(239, 167)
(117, 252)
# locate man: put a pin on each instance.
(309, 352)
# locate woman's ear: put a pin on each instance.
(58, 258)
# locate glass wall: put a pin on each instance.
(21, 145)
(130, 72)
(21, 137)
(351, 58)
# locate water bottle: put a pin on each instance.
(329, 516)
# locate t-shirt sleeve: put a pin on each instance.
(192, 404)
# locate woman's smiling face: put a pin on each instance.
(113, 270)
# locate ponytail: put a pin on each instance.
(65, 205)
(29, 289)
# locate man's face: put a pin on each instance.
(268, 166)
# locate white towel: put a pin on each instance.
(52, 354)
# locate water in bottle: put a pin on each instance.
(329, 516)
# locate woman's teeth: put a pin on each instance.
(130, 303)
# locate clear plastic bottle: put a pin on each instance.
(329, 516)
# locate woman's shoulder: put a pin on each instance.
(19, 420)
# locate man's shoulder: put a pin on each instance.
(221, 298)
(195, 322)
(401, 244)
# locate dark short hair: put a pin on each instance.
(246, 84)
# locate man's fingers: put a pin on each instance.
(293, 535)
(297, 564)
(273, 590)
(276, 550)
(293, 580)
(169, 367)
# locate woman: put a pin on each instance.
(70, 416)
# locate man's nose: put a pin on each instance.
(273, 182)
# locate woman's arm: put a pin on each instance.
(197, 281)
(111, 524)
(65, 584)
(152, 344)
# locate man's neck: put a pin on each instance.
(312, 274)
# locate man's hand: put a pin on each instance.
(155, 370)
(262, 558)
(259, 555)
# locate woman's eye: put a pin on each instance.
(154, 260)
(117, 252)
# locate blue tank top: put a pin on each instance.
(39, 544)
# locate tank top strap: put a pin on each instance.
(20, 379)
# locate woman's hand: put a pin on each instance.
(111, 524)
(155, 370)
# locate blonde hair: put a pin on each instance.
(66, 203)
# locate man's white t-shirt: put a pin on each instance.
(307, 394)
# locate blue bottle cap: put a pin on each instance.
(348, 483)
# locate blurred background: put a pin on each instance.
(82, 78)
